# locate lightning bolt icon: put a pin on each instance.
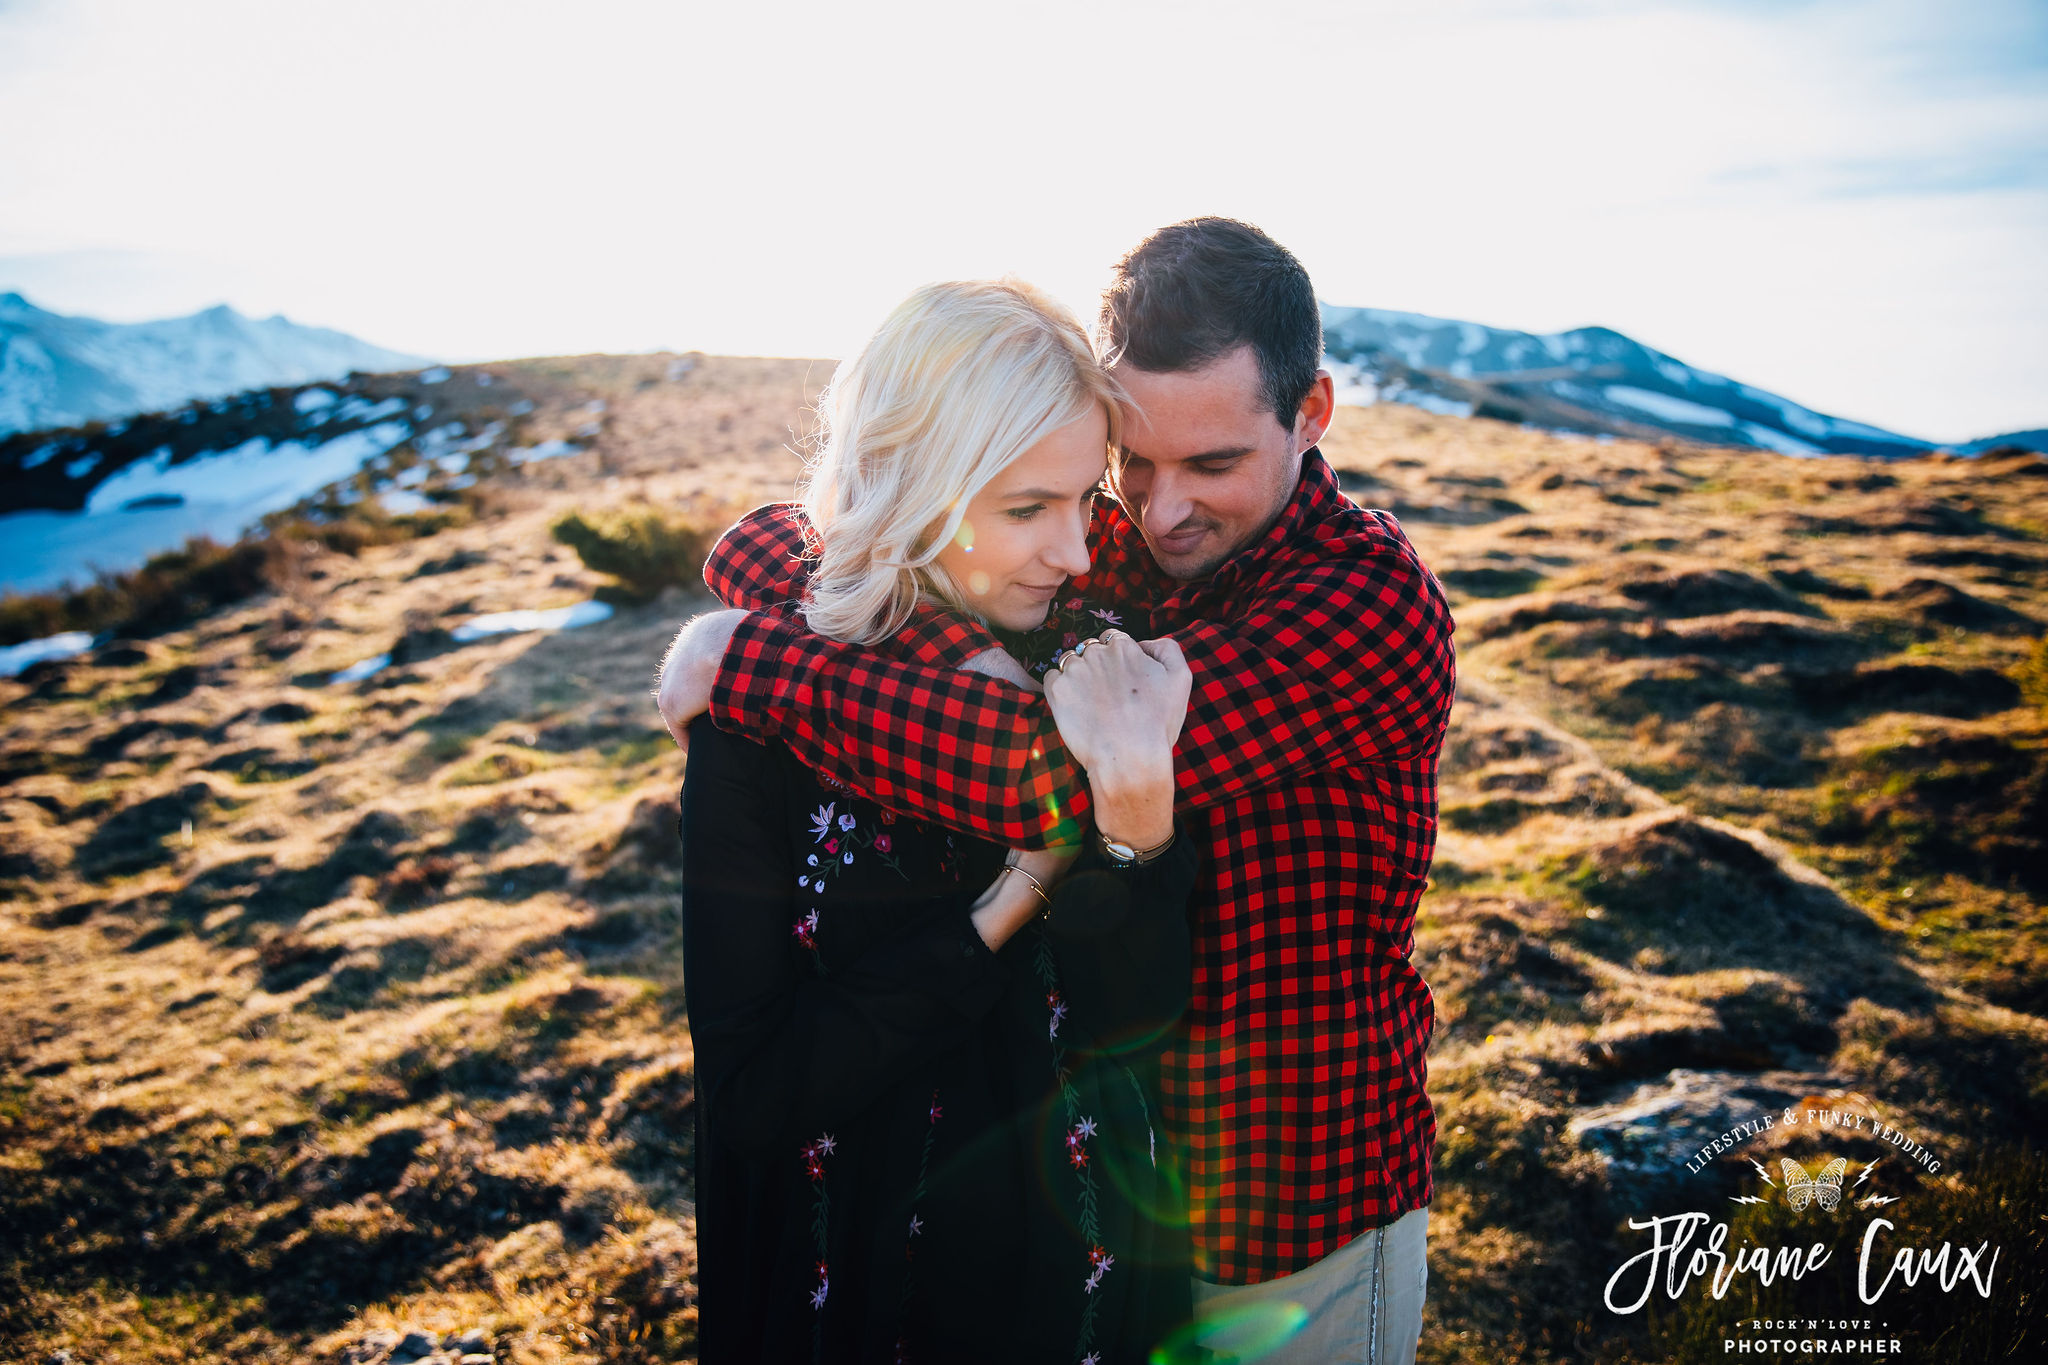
(1877, 1200)
(1747, 1199)
(1764, 1173)
(1864, 1174)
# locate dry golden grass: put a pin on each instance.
(327, 1009)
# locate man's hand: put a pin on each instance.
(690, 668)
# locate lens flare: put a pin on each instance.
(977, 582)
(1241, 1335)
(1060, 828)
(964, 537)
(1121, 1153)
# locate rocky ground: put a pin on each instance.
(343, 1021)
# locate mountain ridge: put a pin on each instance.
(1592, 380)
(59, 370)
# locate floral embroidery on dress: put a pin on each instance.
(1069, 623)
(924, 1163)
(814, 1154)
(1080, 1128)
(1099, 1262)
(916, 1229)
(838, 835)
(1077, 1142)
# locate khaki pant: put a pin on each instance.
(1359, 1305)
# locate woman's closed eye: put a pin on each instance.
(1025, 513)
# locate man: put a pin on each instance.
(1323, 675)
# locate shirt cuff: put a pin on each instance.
(762, 672)
(1098, 893)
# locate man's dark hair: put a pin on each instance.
(1195, 290)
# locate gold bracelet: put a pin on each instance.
(1036, 885)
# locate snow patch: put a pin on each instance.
(434, 374)
(14, 658)
(510, 622)
(546, 450)
(449, 444)
(1840, 427)
(367, 668)
(1670, 409)
(313, 400)
(1430, 402)
(252, 478)
(403, 502)
(357, 409)
(1771, 438)
(1356, 386)
(219, 495)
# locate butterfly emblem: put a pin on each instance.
(1825, 1188)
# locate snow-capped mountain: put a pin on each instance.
(2035, 438)
(58, 371)
(1590, 379)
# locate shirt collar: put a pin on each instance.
(1315, 499)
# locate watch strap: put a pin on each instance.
(1124, 855)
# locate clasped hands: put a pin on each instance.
(1119, 703)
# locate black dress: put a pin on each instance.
(910, 1148)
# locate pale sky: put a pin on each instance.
(1843, 201)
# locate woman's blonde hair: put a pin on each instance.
(960, 380)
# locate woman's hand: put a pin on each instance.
(1011, 900)
(1120, 706)
(683, 691)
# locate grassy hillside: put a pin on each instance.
(329, 1012)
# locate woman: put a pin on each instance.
(925, 1063)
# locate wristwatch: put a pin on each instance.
(1123, 855)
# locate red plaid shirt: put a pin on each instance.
(1323, 675)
